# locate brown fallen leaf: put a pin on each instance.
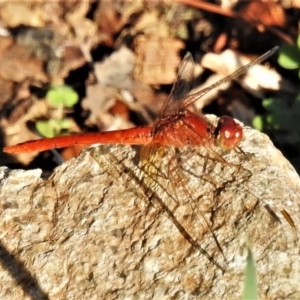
(157, 59)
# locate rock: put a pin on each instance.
(172, 227)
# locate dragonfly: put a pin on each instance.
(174, 136)
(176, 124)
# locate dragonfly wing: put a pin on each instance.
(181, 86)
(196, 96)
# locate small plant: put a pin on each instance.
(250, 282)
(62, 95)
(289, 56)
(59, 97)
(282, 117)
(52, 127)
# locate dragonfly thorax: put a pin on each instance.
(184, 128)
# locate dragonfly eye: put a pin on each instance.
(228, 133)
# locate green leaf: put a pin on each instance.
(267, 103)
(287, 121)
(62, 95)
(275, 121)
(52, 127)
(298, 42)
(258, 123)
(250, 287)
(45, 129)
(289, 57)
(65, 124)
(274, 105)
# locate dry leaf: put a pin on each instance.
(157, 59)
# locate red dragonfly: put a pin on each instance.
(176, 125)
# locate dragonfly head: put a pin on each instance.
(228, 133)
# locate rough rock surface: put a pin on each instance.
(116, 229)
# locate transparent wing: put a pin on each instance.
(178, 98)
(181, 86)
(196, 96)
